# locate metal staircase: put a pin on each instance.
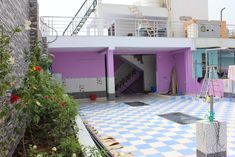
(210, 84)
(144, 21)
(89, 7)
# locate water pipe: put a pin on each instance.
(221, 14)
(211, 116)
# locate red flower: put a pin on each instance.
(63, 104)
(46, 97)
(14, 98)
(37, 68)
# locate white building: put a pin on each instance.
(110, 49)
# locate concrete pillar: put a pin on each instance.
(211, 139)
(110, 75)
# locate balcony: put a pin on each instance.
(132, 27)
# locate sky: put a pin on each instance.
(70, 7)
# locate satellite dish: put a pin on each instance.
(185, 18)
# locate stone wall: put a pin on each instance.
(12, 14)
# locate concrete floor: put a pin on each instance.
(143, 133)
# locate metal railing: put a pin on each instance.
(101, 26)
(85, 10)
(231, 31)
(128, 27)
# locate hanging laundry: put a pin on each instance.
(231, 72)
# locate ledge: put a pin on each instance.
(83, 135)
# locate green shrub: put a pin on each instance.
(70, 146)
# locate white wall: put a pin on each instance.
(124, 27)
(72, 42)
(197, 9)
(212, 42)
(149, 68)
(122, 11)
(73, 85)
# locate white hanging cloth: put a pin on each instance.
(231, 72)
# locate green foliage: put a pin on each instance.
(42, 102)
(5, 56)
(6, 80)
(93, 152)
(34, 152)
(51, 111)
(69, 146)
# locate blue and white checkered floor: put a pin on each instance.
(145, 134)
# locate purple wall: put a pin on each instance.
(165, 63)
(179, 58)
(79, 64)
(110, 65)
(191, 84)
(90, 64)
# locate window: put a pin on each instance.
(225, 58)
(221, 59)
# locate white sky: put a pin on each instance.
(70, 7)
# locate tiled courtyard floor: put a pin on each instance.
(145, 134)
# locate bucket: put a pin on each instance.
(153, 89)
(179, 93)
(93, 96)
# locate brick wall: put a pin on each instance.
(12, 14)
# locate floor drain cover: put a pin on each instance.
(180, 118)
(136, 103)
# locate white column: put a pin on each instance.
(110, 75)
(211, 139)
